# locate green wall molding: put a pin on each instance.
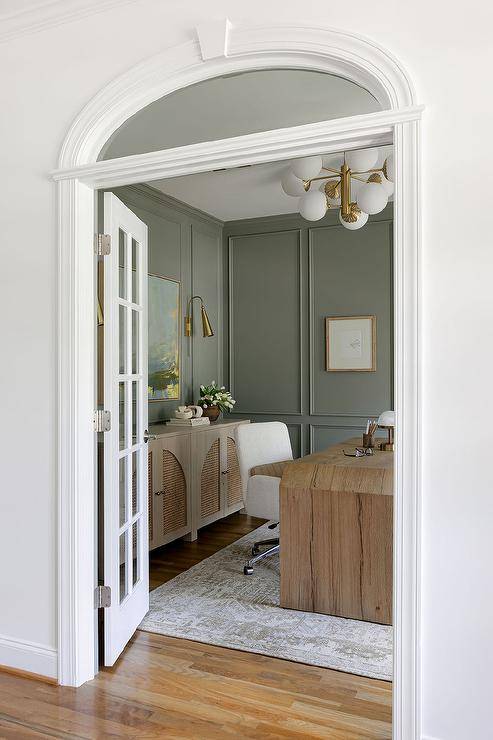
(314, 424)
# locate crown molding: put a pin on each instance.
(154, 195)
(51, 14)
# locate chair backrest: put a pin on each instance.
(259, 444)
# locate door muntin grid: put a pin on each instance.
(132, 454)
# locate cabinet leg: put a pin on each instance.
(191, 536)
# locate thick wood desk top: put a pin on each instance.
(331, 470)
(336, 515)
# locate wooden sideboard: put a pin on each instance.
(194, 479)
(336, 529)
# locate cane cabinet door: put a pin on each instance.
(171, 505)
(233, 489)
(208, 467)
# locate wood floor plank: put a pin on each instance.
(164, 687)
(167, 687)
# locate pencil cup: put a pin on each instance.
(368, 440)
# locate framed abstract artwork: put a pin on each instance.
(164, 339)
(350, 343)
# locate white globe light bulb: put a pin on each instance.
(292, 185)
(353, 225)
(306, 167)
(362, 160)
(372, 197)
(388, 186)
(389, 167)
(313, 205)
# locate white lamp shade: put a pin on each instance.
(362, 160)
(313, 205)
(333, 161)
(388, 186)
(306, 167)
(354, 225)
(386, 419)
(389, 166)
(372, 197)
(292, 185)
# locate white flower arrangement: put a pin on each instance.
(211, 395)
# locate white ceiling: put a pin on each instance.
(244, 192)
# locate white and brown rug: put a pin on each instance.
(213, 602)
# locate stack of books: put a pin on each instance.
(193, 422)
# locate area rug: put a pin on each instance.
(213, 602)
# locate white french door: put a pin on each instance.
(125, 552)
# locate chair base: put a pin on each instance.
(257, 555)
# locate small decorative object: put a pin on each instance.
(387, 421)
(196, 411)
(164, 339)
(213, 400)
(183, 412)
(368, 435)
(350, 343)
(320, 188)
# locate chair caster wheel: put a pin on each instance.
(248, 570)
(255, 550)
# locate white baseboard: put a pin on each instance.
(428, 737)
(28, 656)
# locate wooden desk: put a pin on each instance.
(336, 516)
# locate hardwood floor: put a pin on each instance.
(167, 562)
(163, 687)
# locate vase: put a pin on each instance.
(212, 412)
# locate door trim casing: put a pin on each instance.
(79, 174)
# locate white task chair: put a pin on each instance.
(262, 444)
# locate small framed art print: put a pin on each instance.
(350, 343)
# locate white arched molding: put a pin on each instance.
(324, 50)
(79, 173)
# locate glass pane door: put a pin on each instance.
(125, 383)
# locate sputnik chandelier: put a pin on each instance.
(374, 186)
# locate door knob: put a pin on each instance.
(148, 436)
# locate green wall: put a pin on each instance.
(186, 245)
(284, 277)
(268, 284)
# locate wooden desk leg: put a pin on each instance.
(294, 552)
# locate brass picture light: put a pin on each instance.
(206, 324)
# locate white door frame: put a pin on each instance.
(223, 50)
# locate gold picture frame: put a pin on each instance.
(351, 344)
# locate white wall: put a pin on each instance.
(47, 78)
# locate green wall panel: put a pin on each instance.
(285, 275)
(186, 245)
(351, 277)
(265, 322)
(206, 282)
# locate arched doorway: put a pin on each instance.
(79, 173)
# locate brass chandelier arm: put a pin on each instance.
(329, 169)
(356, 176)
(366, 172)
(322, 177)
